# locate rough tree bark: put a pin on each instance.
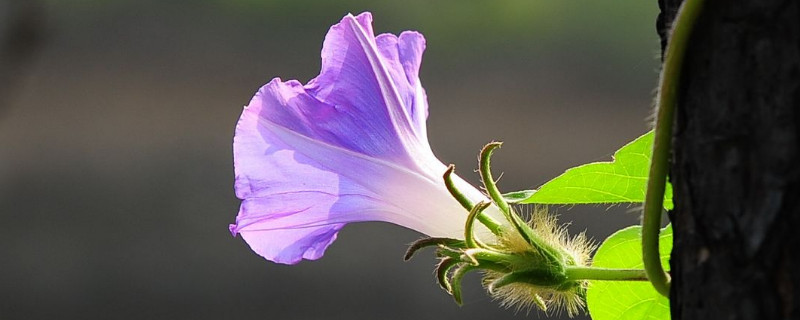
(736, 163)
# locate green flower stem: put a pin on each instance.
(668, 89)
(589, 273)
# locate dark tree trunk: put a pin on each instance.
(736, 163)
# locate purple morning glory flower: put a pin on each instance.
(348, 146)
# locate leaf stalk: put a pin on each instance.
(607, 274)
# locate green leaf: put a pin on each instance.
(620, 300)
(623, 180)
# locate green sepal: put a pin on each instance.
(487, 221)
(553, 255)
(442, 269)
(428, 242)
(458, 275)
(538, 277)
(447, 252)
(469, 232)
(478, 256)
(451, 187)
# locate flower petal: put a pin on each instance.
(290, 181)
(361, 82)
(349, 146)
(402, 56)
(290, 246)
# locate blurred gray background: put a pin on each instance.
(116, 120)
